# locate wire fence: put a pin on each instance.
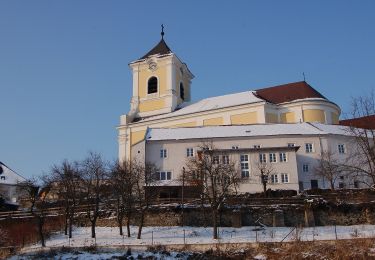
(153, 236)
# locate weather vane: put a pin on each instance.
(162, 31)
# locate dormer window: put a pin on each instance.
(182, 91)
(152, 85)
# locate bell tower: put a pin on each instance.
(161, 82)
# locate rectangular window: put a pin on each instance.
(274, 178)
(189, 152)
(262, 158)
(256, 146)
(284, 178)
(291, 144)
(341, 148)
(282, 157)
(308, 147)
(305, 167)
(272, 157)
(163, 153)
(244, 166)
(163, 175)
(215, 159)
(225, 159)
(356, 184)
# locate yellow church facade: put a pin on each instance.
(162, 92)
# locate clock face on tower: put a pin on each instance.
(152, 66)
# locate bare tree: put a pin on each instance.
(94, 182)
(123, 180)
(29, 190)
(329, 167)
(361, 127)
(66, 180)
(4, 237)
(145, 189)
(37, 197)
(264, 171)
(217, 178)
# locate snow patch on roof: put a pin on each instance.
(232, 131)
(333, 129)
(212, 103)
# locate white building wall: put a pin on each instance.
(177, 157)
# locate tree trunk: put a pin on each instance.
(214, 220)
(40, 230)
(66, 224)
(70, 225)
(265, 189)
(119, 223)
(140, 225)
(332, 185)
(93, 224)
(128, 225)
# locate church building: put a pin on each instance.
(162, 89)
(162, 114)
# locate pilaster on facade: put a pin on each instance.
(261, 115)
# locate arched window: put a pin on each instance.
(152, 85)
(182, 91)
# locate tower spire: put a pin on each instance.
(162, 31)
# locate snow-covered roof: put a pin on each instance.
(333, 129)
(8, 176)
(243, 131)
(211, 103)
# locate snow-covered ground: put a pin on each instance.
(109, 236)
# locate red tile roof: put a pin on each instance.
(288, 92)
(367, 122)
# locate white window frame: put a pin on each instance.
(284, 177)
(163, 153)
(274, 178)
(245, 169)
(189, 152)
(156, 94)
(225, 159)
(283, 157)
(160, 173)
(215, 159)
(309, 149)
(272, 157)
(341, 148)
(262, 158)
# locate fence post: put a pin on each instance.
(152, 237)
(335, 231)
(256, 236)
(184, 237)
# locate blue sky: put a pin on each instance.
(64, 76)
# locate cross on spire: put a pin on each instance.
(162, 31)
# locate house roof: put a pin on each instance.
(156, 134)
(161, 48)
(207, 104)
(276, 95)
(366, 122)
(288, 92)
(10, 177)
